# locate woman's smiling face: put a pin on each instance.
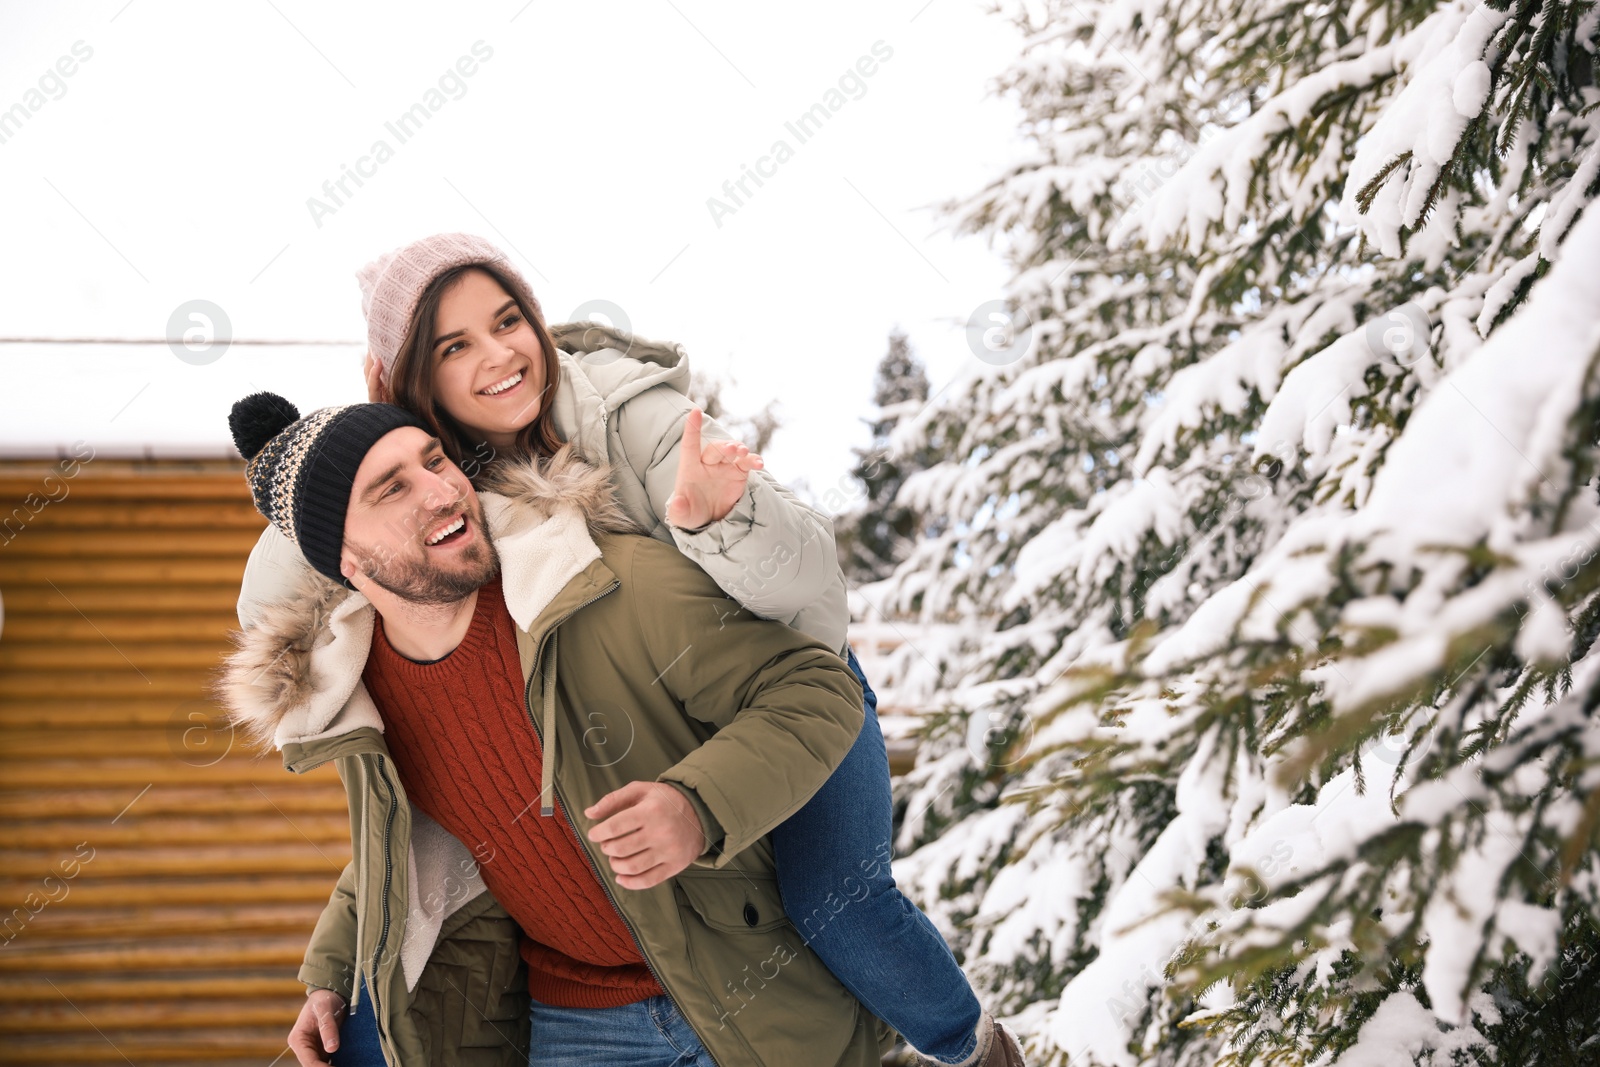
(488, 364)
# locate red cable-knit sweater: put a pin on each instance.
(459, 731)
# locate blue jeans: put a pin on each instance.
(358, 1035)
(646, 1033)
(649, 1033)
(833, 872)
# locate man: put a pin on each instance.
(562, 744)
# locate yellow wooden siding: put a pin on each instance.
(178, 940)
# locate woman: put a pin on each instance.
(457, 337)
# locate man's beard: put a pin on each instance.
(417, 581)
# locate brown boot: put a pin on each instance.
(1003, 1050)
(996, 1047)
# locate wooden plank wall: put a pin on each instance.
(158, 881)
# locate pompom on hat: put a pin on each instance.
(301, 470)
(392, 284)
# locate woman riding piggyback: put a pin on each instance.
(457, 337)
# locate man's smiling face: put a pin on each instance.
(414, 524)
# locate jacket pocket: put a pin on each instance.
(768, 986)
(470, 1007)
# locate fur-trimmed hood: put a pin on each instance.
(294, 674)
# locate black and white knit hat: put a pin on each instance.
(301, 470)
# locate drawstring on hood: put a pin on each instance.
(547, 766)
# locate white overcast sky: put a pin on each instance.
(175, 164)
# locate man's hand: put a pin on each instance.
(648, 830)
(377, 389)
(316, 1032)
(711, 477)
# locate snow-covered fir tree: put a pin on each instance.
(1263, 622)
(876, 533)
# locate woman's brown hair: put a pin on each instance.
(411, 384)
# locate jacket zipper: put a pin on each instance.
(388, 874)
(594, 866)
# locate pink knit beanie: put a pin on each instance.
(392, 284)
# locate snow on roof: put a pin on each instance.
(156, 399)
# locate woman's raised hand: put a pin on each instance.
(377, 388)
(711, 477)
